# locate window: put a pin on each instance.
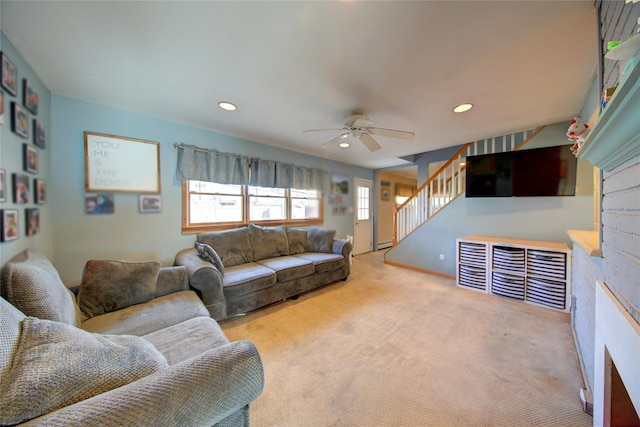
(363, 203)
(208, 205)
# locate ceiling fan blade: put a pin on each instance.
(334, 140)
(317, 130)
(392, 133)
(369, 142)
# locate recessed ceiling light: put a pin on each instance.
(227, 106)
(344, 145)
(462, 108)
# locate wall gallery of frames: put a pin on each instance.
(22, 187)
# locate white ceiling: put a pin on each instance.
(296, 65)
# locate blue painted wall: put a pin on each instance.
(128, 234)
(11, 158)
(536, 218)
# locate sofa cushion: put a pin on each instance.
(233, 246)
(319, 239)
(187, 339)
(56, 365)
(297, 238)
(207, 253)
(31, 283)
(324, 262)
(268, 242)
(289, 267)
(156, 314)
(247, 278)
(10, 318)
(108, 286)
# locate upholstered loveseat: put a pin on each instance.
(135, 348)
(239, 270)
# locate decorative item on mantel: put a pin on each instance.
(577, 132)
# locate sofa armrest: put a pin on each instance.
(199, 391)
(206, 279)
(342, 247)
(172, 279)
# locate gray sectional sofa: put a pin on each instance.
(239, 270)
(135, 348)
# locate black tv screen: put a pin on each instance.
(549, 171)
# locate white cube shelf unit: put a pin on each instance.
(534, 271)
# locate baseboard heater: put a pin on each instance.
(385, 245)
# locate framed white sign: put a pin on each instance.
(116, 163)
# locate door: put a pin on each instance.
(363, 228)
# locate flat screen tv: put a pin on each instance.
(549, 171)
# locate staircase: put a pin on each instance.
(448, 182)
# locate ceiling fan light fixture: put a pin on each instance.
(462, 107)
(227, 106)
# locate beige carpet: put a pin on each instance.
(393, 347)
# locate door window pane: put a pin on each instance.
(363, 203)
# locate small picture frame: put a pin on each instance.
(149, 203)
(3, 186)
(1, 107)
(9, 224)
(9, 75)
(384, 194)
(20, 189)
(101, 203)
(39, 135)
(39, 191)
(30, 158)
(33, 221)
(30, 97)
(20, 120)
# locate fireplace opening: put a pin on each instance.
(623, 413)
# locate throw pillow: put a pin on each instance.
(56, 365)
(207, 253)
(268, 242)
(108, 286)
(297, 238)
(233, 246)
(319, 239)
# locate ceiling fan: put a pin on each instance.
(359, 126)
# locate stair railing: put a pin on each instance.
(447, 184)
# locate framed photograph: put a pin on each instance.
(150, 203)
(30, 158)
(40, 191)
(30, 97)
(20, 188)
(384, 194)
(1, 107)
(339, 184)
(99, 203)
(9, 224)
(116, 163)
(9, 75)
(20, 120)
(33, 221)
(3, 186)
(39, 136)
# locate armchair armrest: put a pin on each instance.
(172, 279)
(206, 279)
(342, 247)
(199, 391)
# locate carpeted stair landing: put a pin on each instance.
(394, 347)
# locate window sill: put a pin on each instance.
(228, 226)
(587, 240)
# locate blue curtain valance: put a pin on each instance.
(213, 166)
